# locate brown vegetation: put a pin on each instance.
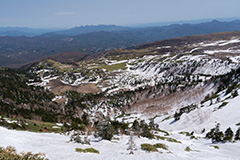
(57, 87)
(163, 104)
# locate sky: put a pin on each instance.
(71, 13)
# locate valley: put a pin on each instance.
(169, 93)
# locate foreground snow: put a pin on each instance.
(56, 147)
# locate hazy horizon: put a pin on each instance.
(163, 23)
(68, 14)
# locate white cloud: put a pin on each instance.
(64, 13)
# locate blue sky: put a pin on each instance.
(71, 13)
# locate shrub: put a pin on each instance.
(168, 139)
(9, 153)
(185, 133)
(80, 150)
(173, 140)
(92, 150)
(166, 133)
(14, 125)
(216, 147)
(161, 145)
(148, 147)
(116, 138)
(188, 149)
(87, 150)
(222, 105)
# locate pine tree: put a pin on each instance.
(218, 137)
(76, 137)
(215, 134)
(86, 140)
(105, 130)
(177, 116)
(146, 132)
(228, 135)
(131, 143)
(235, 94)
(135, 126)
(151, 123)
(203, 130)
(142, 123)
(210, 134)
(237, 135)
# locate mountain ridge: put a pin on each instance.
(17, 51)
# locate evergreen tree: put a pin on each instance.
(218, 137)
(228, 135)
(177, 116)
(146, 132)
(105, 130)
(76, 137)
(142, 123)
(215, 134)
(131, 143)
(135, 126)
(235, 93)
(86, 140)
(237, 135)
(151, 123)
(210, 134)
(203, 130)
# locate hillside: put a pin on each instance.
(18, 51)
(180, 96)
(19, 100)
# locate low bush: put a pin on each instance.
(216, 147)
(168, 139)
(222, 105)
(87, 150)
(188, 149)
(10, 153)
(161, 145)
(148, 147)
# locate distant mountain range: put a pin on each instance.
(88, 29)
(17, 51)
(30, 32)
(23, 31)
(155, 24)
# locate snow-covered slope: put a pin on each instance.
(57, 146)
(149, 66)
(158, 69)
(206, 117)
